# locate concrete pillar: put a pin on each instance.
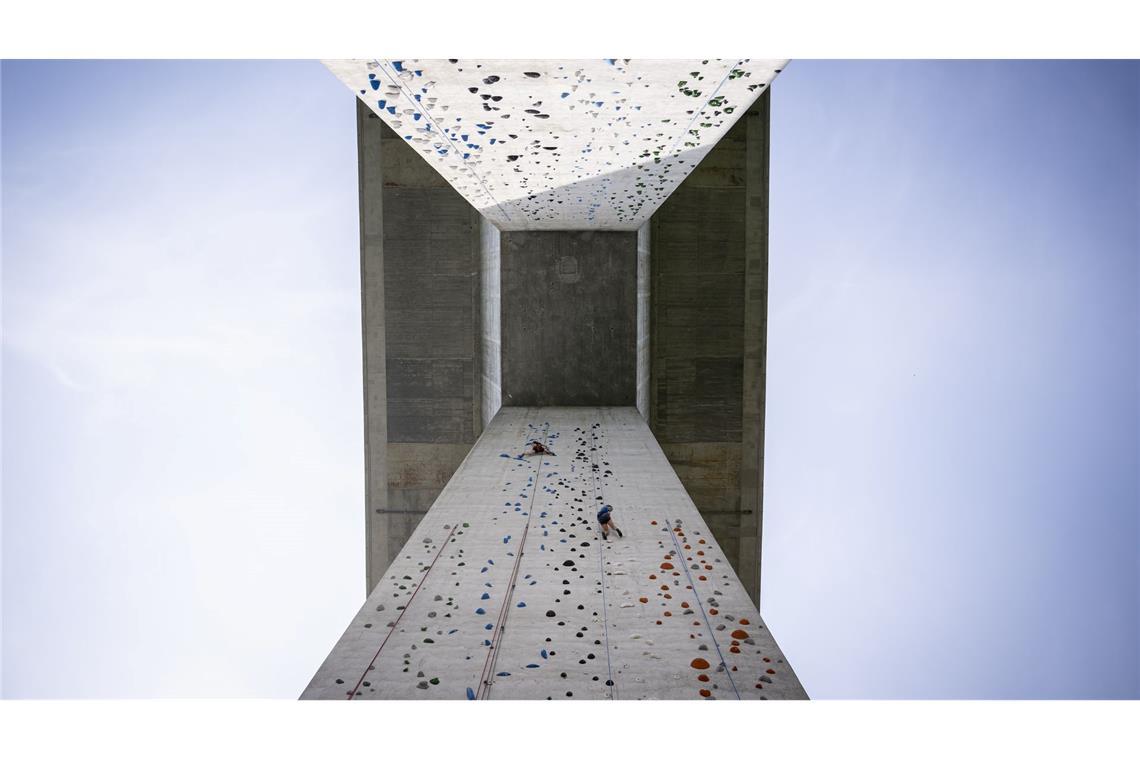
(643, 331)
(491, 324)
(569, 318)
(421, 248)
(709, 312)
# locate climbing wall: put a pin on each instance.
(507, 591)
(560, 144)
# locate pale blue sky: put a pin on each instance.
(952, 454)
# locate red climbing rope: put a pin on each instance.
(407, 604)
(501, 622)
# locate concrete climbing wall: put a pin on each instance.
(421, 312)
(505, 590)
(569, 318)
(709, 260)
(560, 144)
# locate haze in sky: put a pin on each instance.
(951, 493)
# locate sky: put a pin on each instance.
(951, 487)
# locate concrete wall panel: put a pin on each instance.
(709, 311)
(569, 318)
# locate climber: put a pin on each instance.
(606, 522)
(538, 448)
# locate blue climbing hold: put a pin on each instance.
(485, 595)
(544, 654)
(480, 611)
(470, 693)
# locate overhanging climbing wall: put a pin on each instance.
(560, 144)
(505, 590)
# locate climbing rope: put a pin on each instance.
(712, 634)
(602, 573)
(407, 605)
(501, 622)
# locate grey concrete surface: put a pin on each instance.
(708, 322)
(569, 318)
(489, 268)
(423, 344)
(505, 590)
(643, 329)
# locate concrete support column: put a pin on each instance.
(569, 313)
(368, 135)
(491, 323)
(643, 332)
(709, 274)
(756, 124)
(421, 262)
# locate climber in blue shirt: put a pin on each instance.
(606, 522)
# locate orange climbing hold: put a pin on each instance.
(701, 578)
(664, 587)
(771, 672)
(644, 600)
(700, 663)
(685, 605)
(652, 577)
(712, 611)
(701, 541)
(702, 677)
(666, 565)
(744, 621)
(668, 613)
(739, 634)
(734, 649)
(652, 522)
(706, 693)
